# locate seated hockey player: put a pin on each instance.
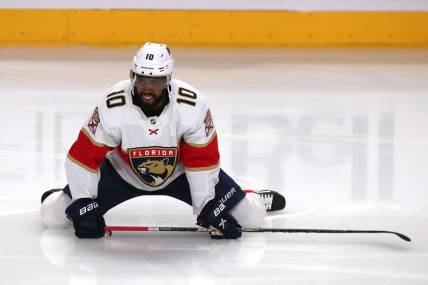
(152, 135)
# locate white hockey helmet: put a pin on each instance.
(153, 60)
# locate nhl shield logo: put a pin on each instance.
(153, 165)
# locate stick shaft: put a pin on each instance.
(254, 230)
(153, 229)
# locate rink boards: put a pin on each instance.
(237, 28)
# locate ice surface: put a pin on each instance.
(341, 133)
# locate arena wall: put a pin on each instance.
(238, 23)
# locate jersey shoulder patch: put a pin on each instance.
(94, 121)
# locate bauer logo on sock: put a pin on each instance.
(153, 165)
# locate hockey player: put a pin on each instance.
(152, 135)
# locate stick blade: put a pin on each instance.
(404, 237)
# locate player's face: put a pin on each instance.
(150, 88)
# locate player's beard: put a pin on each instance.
(154, 108)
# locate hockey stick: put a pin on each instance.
(109, 229)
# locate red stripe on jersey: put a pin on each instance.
(249, 191)
(195, 156)
(87, 152)
(123, 155)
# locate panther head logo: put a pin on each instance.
(157, 169)
(153, 165)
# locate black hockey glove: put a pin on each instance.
(216, 217)
(87, 219)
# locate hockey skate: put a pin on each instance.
(274, 201)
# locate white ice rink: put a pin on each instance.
(343, 134)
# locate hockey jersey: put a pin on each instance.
(147, 152)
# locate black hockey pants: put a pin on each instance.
(113, 190)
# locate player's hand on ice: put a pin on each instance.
(87, 219)
(224, 225)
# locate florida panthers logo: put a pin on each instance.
(153, 165)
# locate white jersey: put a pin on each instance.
(148, 152)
